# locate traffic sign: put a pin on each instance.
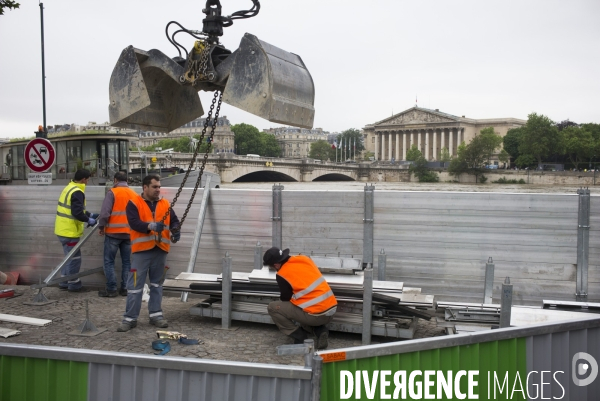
(39, 155)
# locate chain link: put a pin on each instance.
(218, 95)
(197, 68)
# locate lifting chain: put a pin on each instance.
(218, 95)
(197, 68)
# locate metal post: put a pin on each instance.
(506, 303)
(367, 305)
(258, 253)
(368, 226)
(489, 281)
(315, 381)
(197, 233)
(381, 265)
(226, 293)
(71, 254)
(308, 357)
(43, 71)
(583, 244)
(277, 230)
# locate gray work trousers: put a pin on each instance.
(285, 314)
(152, 263)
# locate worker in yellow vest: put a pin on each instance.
(68, 226)
(113, 225)
(305, 297)
(152, 224)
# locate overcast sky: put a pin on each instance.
(482, 59)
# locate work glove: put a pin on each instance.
(91, 222)
(94, 216)
(176, 236)
(158, 227)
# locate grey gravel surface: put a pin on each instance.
(247, 342)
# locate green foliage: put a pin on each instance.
(8, 4)
(320, 150)
(504, 157)
(420, 170)
(578, 144)
(503, 180)
(249, 140)
(350, 137)
(482, 179)
(24, 138)
(511, 142)
(445, 155)
(270, 146)
(525, 161)
(413, 154)
(473, 157)
(539, 138)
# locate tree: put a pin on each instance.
(565, 124)
(504, 157)
(413, 153)
(247, 139)
(352, 140)
(445, 155)
(270, 146)
(511, 142)
(539, 137)
(472, 158)
(578, 144)
(320, 150)
(481, 149)
(422, 172)
(8, 4)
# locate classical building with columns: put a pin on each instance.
(430, 130)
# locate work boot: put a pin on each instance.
(123, 292)
(124, 326)
(322, 336)
(299, 335)
(160, 323)
(80, 289)
(107, 294)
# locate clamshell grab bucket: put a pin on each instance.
(145, 93)
(271, 83)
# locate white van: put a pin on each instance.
(251, 155)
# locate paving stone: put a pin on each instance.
(251, 342)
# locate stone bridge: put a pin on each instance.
(233, 168)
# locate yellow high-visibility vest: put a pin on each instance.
(65, 224)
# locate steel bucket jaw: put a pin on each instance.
(270, 83)
(145, 93)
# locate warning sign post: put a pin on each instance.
(39, 157)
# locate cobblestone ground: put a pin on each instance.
(247, 342)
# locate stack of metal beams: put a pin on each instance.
(395, 307)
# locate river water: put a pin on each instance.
(409, 186)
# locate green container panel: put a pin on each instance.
(33, 379)
(495, 356)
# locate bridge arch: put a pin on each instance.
(265, 176)
(333, 177)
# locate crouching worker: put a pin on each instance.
(305, 297)
(150, 244)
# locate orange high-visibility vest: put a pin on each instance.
(117, 222)
(145, 241)
(311, 291)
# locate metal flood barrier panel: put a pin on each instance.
(517, 355)
(37, 373)
(436, 241)
(440, 242)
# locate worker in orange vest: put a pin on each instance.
(113, 225)
(305, 297)
(152, 223)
